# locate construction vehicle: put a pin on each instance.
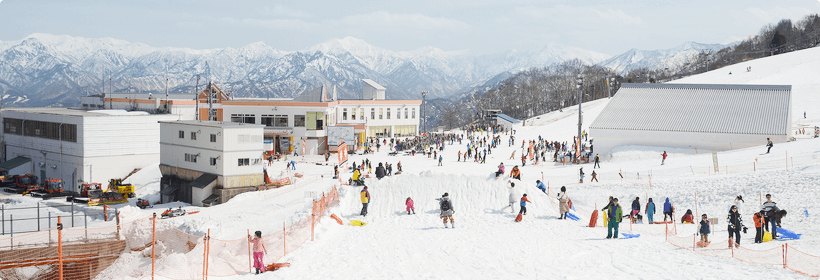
(20, 183)
(117, 186)
(51, 188)
(93, 195)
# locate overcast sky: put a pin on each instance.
(606, 26)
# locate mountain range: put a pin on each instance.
(55, 70)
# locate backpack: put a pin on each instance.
(445, 205)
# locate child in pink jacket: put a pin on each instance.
(259, 251)
(410, 207)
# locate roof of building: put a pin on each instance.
(152, 95)
(203, 180)
(507, 118)
(373, 84)
(15, 162)
(217, 124)
(77, 112)
(736, 109)
(318, 94)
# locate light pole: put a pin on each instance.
(579, 85)
(609, 84)
(424, 110)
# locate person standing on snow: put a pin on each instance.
(597, 161)
(582, 175)
(523, 205)
(259, 251)
(594, 176)
(664, 157)
(410, 207)
(704, 229)
(769, 208)
(380, 173)
(446, 207)
(614, 213)
(365, 200)
(511, 189)
(667, 210)
(636, 208)
(735, 225)
(540, 186)
(439, 160)
(650, 211)
(738, 203)
(563, 205)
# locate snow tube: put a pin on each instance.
(787, 234)
(573, 217)
(627, 235)
(593, 220)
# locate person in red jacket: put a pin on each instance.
(664, 157)
(758, 218)
(524, 201)
(687, 218)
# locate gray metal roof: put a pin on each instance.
(373, 84)
(735, 109)
(507, 118)
(15, 162)
(203, 180)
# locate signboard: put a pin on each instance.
(714, 159)
(339, 134)
(342, 153)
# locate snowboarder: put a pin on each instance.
(614, 214)
(259, 251)
(511, 189)
(735, 225)
(597, 161)
(540, 186)
(650, 211)
(447, 210)
(667, 210)
(365, 200)
(664, 157)
(769, 144)
(704, 229)
(523, 205)
(410, 207)
(563, 205)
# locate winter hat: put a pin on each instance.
(525, 194)
(512, 184)
(740, 197)
(537, 181)
(258, 233)
(446, 194)
(563, 188)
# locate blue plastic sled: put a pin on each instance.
(787, 234)
(573, 217)
(627, 235)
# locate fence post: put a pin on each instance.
(85, 222)
(3, 219)
(59, 246)
(38, 215)
(105, 212)
(666, 234)
(49, 226)
(754, 165)
(153, 244)
(117, 212)
(694, 237)
(207, 252)
(250, 264)
(787, 161)
(11, 224)
(785, 252)
(72, 213)
(284, 240)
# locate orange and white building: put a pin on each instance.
(292, 125)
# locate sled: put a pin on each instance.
(338, 220)
(667, 222)
(573, 217)
(357, 223)
(593, 220)
(519, 218)
(628, 236)
(787, 234)
(703, 244)
(276, 266)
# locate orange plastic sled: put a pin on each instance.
(337, 219)
(519, 218)
(593, 221)
(275, 266)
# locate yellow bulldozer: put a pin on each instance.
(117, 186)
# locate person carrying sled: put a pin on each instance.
(523, 205)
(410, 207)
(734, 227)
(650, 211)
(259, 251)
(446, 207)
(614, 214)
(365, 200)
(563, 203)
(704, 229)
(667, 210)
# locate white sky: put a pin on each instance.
(607, 26)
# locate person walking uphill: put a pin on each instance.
(523, 205)
(259, 251)
(446, 207)
(667, 210)
(615, 213)
(735, 225)
(365, 200)
(563, 203)
(650, 211)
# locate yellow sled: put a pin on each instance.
(357, 223)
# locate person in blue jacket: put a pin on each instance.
(704, 229)
(667, 210)
(650, 211)
(540, 186)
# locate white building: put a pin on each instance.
(692, 116)
(81, 146)
(505, 121)
(209, 162)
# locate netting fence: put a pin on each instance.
(61, 253)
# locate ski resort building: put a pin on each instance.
(694, 116)
(77, 145)
(209, 162)
(292, 125)
(505, 121)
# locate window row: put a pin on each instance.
(270, 120)
(409, 113)
(40, 129)
(241, 161)
(193, 136)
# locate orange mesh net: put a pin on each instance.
(801, 262)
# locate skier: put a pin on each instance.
(447, 211)
(614, 213)
(563, 206)
(259, 251)
(769, 144)
(523, 205)
(650, 211)
(664, 157)
(667, 210)
(540, 186)
(735, 225)
(511, 189)
(365, 200)
(410, 207)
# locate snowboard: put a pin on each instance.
(519, 218)
(357, 223)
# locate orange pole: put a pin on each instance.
(785, 251)
(666, 234)
(284, 240)
(105, 212)
(312, 224)
(754, 165)
(696, 209)
(694, 237)
(153, 244)
(60, 246)
(250, 264)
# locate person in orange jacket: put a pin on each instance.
(758, 218)
(523, 204)
(515, 173)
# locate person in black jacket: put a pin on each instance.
(735, 225)
(380, 171)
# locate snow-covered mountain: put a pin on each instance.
(51, 70)
(658, 59)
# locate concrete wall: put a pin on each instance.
(607, 139)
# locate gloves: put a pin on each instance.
(744, 229)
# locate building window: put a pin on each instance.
(381, 113)
(181, 134)
(213, 138)
(280, 121)
(388, 113)
(267, 120)
(41, 129)
(361, 114)
(299, 121)
(353, 114)
(405, 113)
(244, 162)
(344, 114)
(243, 118)
(190, 158)
(193, 135)
(315, 120)
(257, 161)
(372, 113)
(398, 113)
(215, 114)
(213, 160)
(414, 113)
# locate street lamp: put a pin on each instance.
(580, 83)
(424, 110)
(609, 84)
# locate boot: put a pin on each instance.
(408, 212)
(445, 225)
(731, 241)
(414, 211)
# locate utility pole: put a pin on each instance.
(424, 110)
(579, 85)
(196, 96)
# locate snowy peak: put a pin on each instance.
(658, 59)
(348, 44)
